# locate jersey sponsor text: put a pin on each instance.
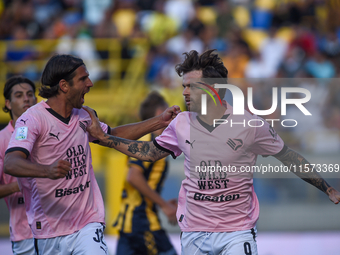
(71, 191)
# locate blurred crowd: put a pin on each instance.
(256, 39)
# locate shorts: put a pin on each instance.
(222, 243)
(24, 247)
(145, 243)
(87, 241)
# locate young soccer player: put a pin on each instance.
(217, 212)
(19, 93)
(50, 149)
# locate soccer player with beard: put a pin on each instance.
(19, 93)
(217, 211)
(51, 151)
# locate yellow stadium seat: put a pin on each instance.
(254, 37)
(265, 4)
(241, 16)
(286, 33)
(207, 15)
(125, 21)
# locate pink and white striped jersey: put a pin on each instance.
(18, 224)
(220, 201)
(63, 206)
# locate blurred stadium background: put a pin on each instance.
(130, 48)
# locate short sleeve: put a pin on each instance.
(25, 134)
(168, 141)
(266, 141)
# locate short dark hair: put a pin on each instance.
(57, 68)
(150, 105)
(10, 83)
(209, 63)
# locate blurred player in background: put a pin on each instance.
(19, 93)
(50, 148)
(138, 222)
(217, 212)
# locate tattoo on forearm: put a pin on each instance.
(141, 150)
(145, 149)
(291, 157)
(157, 153)
(113, 141)
(133, 148)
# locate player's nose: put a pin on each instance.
(89, 83)
(186, 91)
(26, 99)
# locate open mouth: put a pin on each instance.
(83, 96)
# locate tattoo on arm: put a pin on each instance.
(156, 153)
(146, 151)
(133, 148)
(112, 141)
(292, 158)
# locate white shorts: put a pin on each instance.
(222, 243)
(24, 247)
(87, 241)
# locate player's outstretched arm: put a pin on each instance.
(17, 165)
(141, 150)
(136, 178)
(292, 158)
(8, 189)
(145, 151)
(135, 131)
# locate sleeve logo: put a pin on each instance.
(21, 133)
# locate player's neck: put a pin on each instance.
(212, 113)
(14, 120)
(59, 105)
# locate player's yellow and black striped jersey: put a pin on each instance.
(138, 213)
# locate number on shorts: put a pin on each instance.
(99, 236)
(247, 248)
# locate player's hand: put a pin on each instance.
(94, 129)
(169, 210)
(14, 187)
(173, 202)
(169, 114)
(334, 195)
(58, 169)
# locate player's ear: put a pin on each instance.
(8, 104)
(63, 85)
